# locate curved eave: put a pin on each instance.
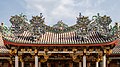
(115, 42)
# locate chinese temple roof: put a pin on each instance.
(3, 49)
(61, 38)
(86, 31)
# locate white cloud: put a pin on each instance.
(66, 10)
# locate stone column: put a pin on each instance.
(80, 65)
(84, 61)
(104, 60)
(97, 64)
(39, 64)
(16, 61)
(36, 61)
(31, 64)
(22, 64)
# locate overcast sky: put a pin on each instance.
(55, 10)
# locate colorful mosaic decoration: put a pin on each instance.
(95, 30)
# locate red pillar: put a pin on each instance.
(56, 64)
(63, 65)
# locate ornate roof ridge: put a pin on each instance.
(84, 28)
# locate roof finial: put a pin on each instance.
(41, 15)
(98, 14)
(79, 14)
(2, 23)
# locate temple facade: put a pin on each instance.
(31, 43)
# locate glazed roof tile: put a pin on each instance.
(116, 49)
(60, 38)
(3, 49)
